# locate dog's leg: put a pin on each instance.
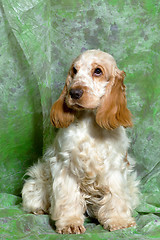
(36, 190)
(116, 207)
(67, 204)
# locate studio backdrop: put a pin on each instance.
(38, 41)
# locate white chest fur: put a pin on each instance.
(87, 149)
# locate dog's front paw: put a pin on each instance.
(117, 223)
(72, 229)
(39, 212)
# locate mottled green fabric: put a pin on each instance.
(38, 41)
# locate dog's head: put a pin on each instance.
(93, 83)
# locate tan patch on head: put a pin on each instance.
(104, 76)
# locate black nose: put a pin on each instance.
(76, 93)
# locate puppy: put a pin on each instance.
(87, 168)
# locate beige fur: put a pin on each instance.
(87, 167)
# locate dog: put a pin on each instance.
(87, 169)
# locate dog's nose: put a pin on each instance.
(76, 93)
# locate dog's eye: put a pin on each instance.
(97, 72)
(74, 70)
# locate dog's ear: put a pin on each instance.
(61, 116)
(113, 111)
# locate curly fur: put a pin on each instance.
(87, 167)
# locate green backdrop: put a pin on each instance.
(38, 41)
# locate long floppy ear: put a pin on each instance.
(61, 116)
(113, 111)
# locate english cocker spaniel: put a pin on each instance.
(87, 169)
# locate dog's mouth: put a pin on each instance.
(74, 105)
(86, 101)
(78, 107)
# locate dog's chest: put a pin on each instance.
(92, 150)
